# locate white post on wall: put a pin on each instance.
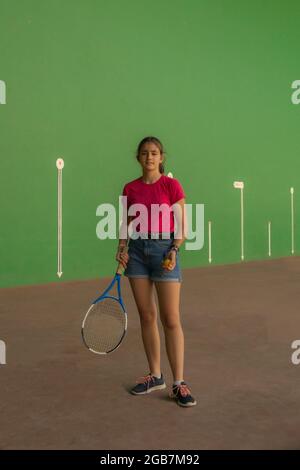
(209, 242)
(269, 238)
(59, 165)
(240, 185)
(292, 220)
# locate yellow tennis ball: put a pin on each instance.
(167, 262)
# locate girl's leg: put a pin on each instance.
(143, 292)
(168, 297)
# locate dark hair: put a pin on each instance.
(155, 141)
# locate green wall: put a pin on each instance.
(86, 80)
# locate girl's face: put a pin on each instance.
(150, 157)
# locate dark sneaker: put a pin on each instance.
(182, 395)
(148, 384)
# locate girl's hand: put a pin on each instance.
(169, 261)
(121, 257)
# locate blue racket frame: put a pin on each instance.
(117, 278)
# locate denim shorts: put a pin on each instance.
(145, 260)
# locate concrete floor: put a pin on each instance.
(239, 323)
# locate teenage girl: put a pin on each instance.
(146, 266)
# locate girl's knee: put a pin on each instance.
(171, 322)
(148, 316)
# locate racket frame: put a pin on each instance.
(104, 295)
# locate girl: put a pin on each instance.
(153, 260)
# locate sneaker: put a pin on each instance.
(148, 384)
(182, 395)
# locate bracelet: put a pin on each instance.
(175, 248)
(122, 244)
(122, 248)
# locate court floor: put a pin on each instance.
(239, 322)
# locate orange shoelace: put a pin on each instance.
(183, 390)
(145, 380)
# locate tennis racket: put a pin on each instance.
(105, 323)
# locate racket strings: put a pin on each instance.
(105, 325)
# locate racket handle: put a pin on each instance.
(120, 268)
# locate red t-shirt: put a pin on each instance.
(165, 190)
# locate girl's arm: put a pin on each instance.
(123, 229)
(180, 217)
(122, 257)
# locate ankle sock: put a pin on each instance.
(177, 382)
(156, 376)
